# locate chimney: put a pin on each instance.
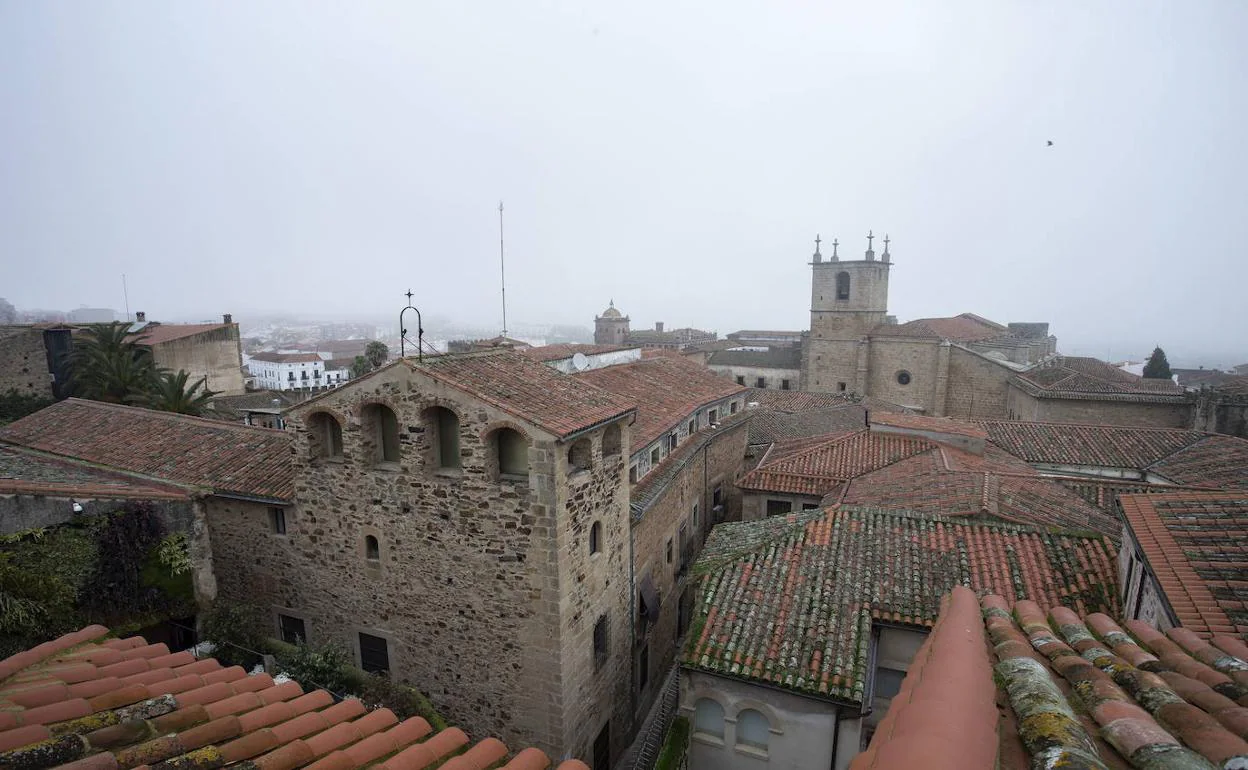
(140, 316)
(227, 318)
(658, 326)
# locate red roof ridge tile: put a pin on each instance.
(159, 719)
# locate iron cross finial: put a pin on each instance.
(870, 237)
(409, 296)
(835, 243)
(817, 241)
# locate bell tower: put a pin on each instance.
(611, 328)
(848, 299)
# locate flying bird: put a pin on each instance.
(1050, 144)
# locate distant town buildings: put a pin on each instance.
(612, 328)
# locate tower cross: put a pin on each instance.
(817, 242)
(409, 296)
(870, 237)
(835, 243)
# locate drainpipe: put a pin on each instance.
(836, 736)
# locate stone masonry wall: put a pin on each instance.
(978, 388)
(216, 355)
(918, 357)
(1023, 406)
(482, 589)
(24, 361)
(660, 525)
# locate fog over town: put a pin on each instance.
(1069, 163)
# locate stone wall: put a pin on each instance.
(215, 354)
(24, 361)
(826, 363)
(920, 358)
(485, 589)
(773, 378)
(1023, 406)
(978, 387)
(657, 548)
(22, 512)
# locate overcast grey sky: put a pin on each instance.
(677, 157)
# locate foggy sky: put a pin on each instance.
(678, 157)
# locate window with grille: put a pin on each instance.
(374, 654)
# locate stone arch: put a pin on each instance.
(709, 717)
(612, 440)
(324, 435)
(508, 452)
(379, 426)
(442, 436)
(580, 455)
(842, 285)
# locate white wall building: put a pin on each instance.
(293, 371)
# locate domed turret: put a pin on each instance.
(611, 328)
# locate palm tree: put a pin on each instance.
(170, 394)
(108, 364)
(376, 352)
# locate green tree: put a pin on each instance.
(360, 366)
(377, 353)
(169, 393)
(108, 364)
(14, 405)
(1157, 368)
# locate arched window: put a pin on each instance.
(325, 434)
(579, 456)
(595, 538)
(442, 433)
(612, 440)
(381, 431)
(753, 730)
(708, 718)
(512, 450)
(372, 549)
(842, 285)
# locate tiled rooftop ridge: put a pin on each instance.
(949, 711)
(85, 702)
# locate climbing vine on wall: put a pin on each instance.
(118, 568)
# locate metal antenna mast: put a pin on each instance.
(126, 293)
(502, 269)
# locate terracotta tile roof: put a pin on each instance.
(1075, 444)
(1183, 457)
(226, 458)
(793, 401)
(966, 327)
(286, 358)
(236, 407)
(789, 601)
(155, 333)
(1088, 378)
(86, 702)
(1077, 690)
(1217, 462)
(1197, 545)
(567, 350)
(949, 482)
(651, 487)
(770, 426)
(534, 392)
(26, 472)
(787, 357)
(947, 699)
(918, 422)
(665, 389)
(816, 467)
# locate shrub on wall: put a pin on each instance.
(14, 405)
(95, 569)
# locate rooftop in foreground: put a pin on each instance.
(1077, 690)
(89, 702)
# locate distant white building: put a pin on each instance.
(294, 371)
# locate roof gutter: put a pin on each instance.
(582, 431)
(839, 702)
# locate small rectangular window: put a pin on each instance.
(740, 379)
(696, 511)
(673, 441)
(277, 520)
(693, 427)
(643, 668)
(888, 682)
(784, 384)
(733, 407)
(632, 474)
(713, 416)
(601, 631)
(809, 506)
(374, 654)
(840, 386)
(292, 629)
(669, 550)
(778, 507)
(761, 382)
(717, 497)
(655, 456)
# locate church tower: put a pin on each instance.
(610, 328)
(848, 299)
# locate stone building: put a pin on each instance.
(957, 366)
(34, 359)
(474, 506)
(612, 328)
(225, 471)
(206, 351)
(777, 368)
(1075, 389)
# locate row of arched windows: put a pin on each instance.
(580, 452)
(379, 427)
(753, 729)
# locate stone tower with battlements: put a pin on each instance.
(611, 328)
(848, 299)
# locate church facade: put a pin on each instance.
(959, 366)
